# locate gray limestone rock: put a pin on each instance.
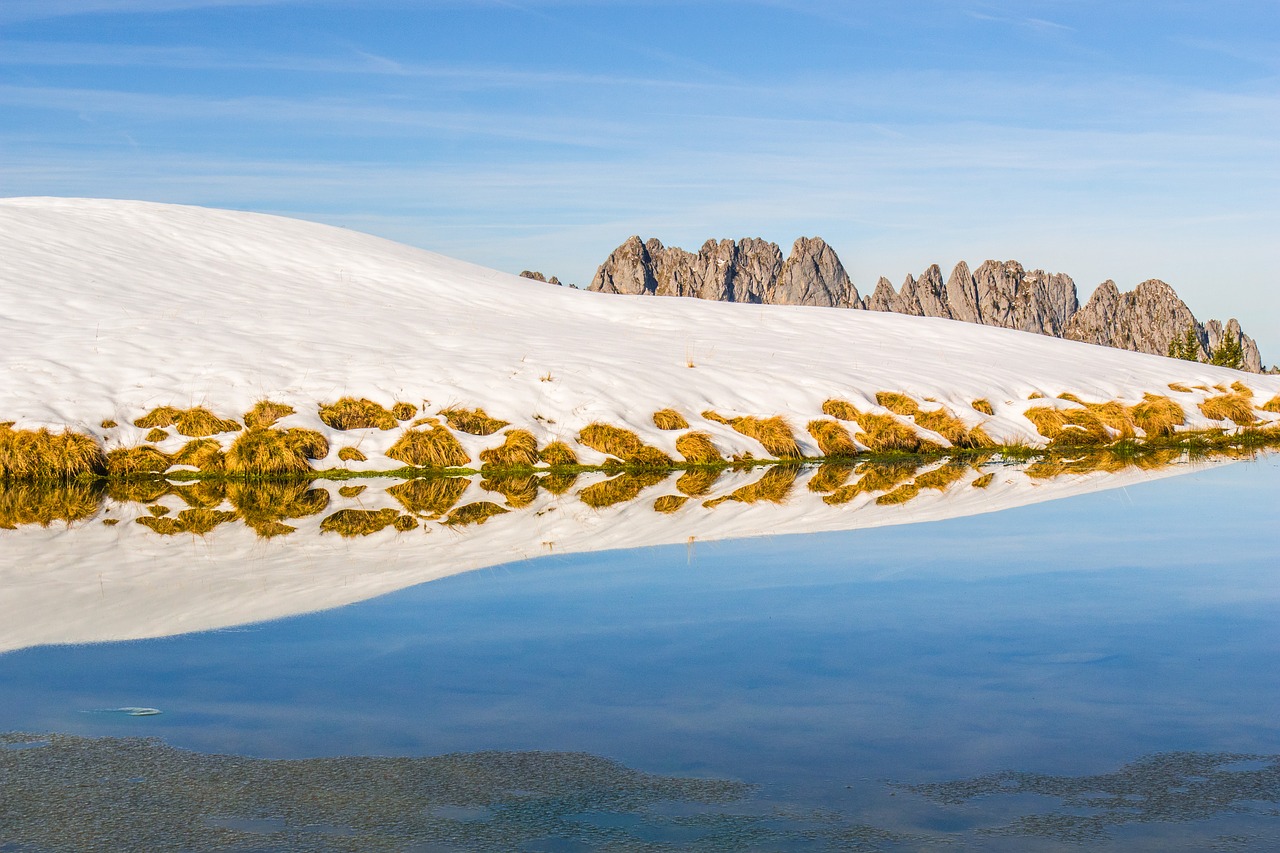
(813, 275)
(883, 297)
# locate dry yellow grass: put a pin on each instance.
(201, 494)
(430, 497)
(712, 415)
(351, 454)
(983, 406)
(265, 413)
(983, 481)
(558, 454)
(265, 504)
(196, 522)
(472, 421)
(902, 494)
(669, 419)
(349, 523)
(109, 424)
(351, 491)
(1158, 416)
(1179, 387)
(942, 477)
(1235, 407)
(875, 477)
(352, 413)
(138, 490)
(668, 504)
(519, 450)
(620, 489)
(622, 444)
(887, 434)
(519, 490)
(697, 449)
(938, 420)
(203, 453)
(23, 503)
(1035, 395)
(558, 482)
(697, 482)
(833, 439)
(1091, 425)
(44, 455)
(404, 411)
(774, 487)
(154, 434)
(158, 510)
(1241, 388)
(841, 409)
(774, 434)
(429, 448)
(475, 513)
(196, 422)
(270, 452)
(899, 404)
(829, 477)
(1272, 405)
(132, 461)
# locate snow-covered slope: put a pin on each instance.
(110, 308)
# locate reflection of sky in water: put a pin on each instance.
(1068, 637)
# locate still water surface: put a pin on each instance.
(1102, 671)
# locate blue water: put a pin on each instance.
(1065, 638)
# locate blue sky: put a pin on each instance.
(1123, 140)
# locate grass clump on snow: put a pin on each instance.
(155, 434)
(429, 448)
(196, 422)
(623, 444)
(265, 413)
(557, 454)
(204, 454)
(1158, 416)
(272, 452)
(1272, 405)
(880, 433)
(135, 461)
(774, 434)
(472, 421)
(351, 454)
(937, 420)
(44, 455)
(669, 419)
(27, 502)
(404, 411)
(429, 497)
(519, 450)
(351, 413)
(697, 449)
(984, 406)
(1179, 387)
(1236, 407)
(833, 439)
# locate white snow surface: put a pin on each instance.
(110, 308)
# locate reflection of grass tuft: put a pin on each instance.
(44, 503)
(265, 504)
(669, 419)
(474, 513)
(983, 481)
(350, 523)
(696, 482)
(875, 477)
(196, 522)
(429, 497)
(829, 477)
(558, 482)
(622, 488)
(774, 487)
(668, 504)
(520, 490)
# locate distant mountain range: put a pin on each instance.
(998, 293)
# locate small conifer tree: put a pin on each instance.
(1185, 346)
(1228, 353)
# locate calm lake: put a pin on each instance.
(1099, 671)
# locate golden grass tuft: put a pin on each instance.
(774, 487)
(1241, 388)
(697, 482)
(983, 406)
(203, 453)
(44, 455)
(876, 477)
(472, 421)
(350, 523)
(1035, 395)
(265, 413)
(622, 488)
(713, 415)
(404, 411)
(352, 454)
(899, 404)
(1235, 407)
(669, 419)
(519, 450)
(887, 434)
(196, 522)
(1179, 387)
(265, 504)
(272, 452)
(351, 491)
(952, 428)
(668, 504)
(983, 481)
(557, 454)
(351, 413)
(158, 510)
(156, 434)
(132, 461)
(430, 497)
(429, 448)
(833, 439)
(1158, 416)
(622, 444)
(1272, 405)
(1071, 398)
(23, 503)
(774, 433)
(109, 424)
(1094, 424)
(196, 422)
(829, 477)
(474, 513)
(697, 449)
(520, 490)
(841, 409)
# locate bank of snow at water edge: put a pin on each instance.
(111, 308)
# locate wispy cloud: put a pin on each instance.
(14, 11)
